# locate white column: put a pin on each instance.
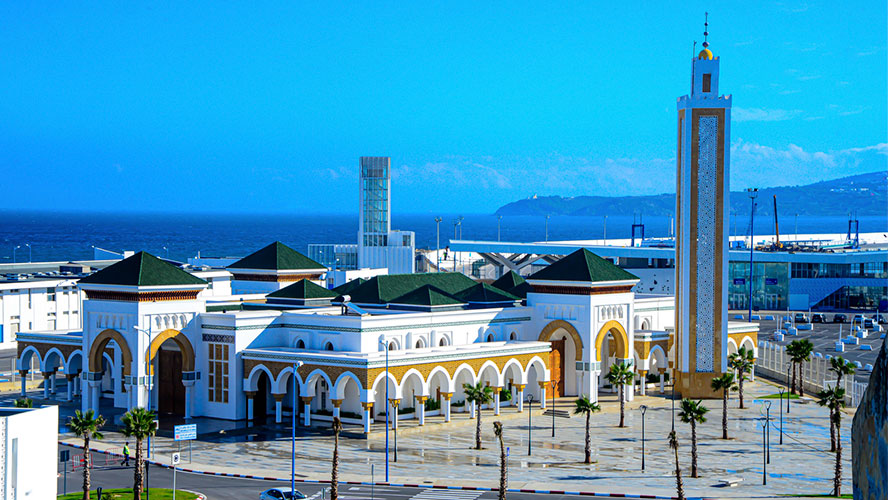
(23, 374)
(46, 383)
(189, 404)
(472, 409)
(520, 388)
(336, 404)
(420, 408)
(53, 380)
(368, 411)
(446, 396)
(543, 394)
(596, 377)
(496, 400)
(662, 380)
(306, 405)
(278, 407)
(642, 375)
(251, 396)
(95, 387)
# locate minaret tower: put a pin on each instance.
(701, 240)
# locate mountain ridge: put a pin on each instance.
(868, 192)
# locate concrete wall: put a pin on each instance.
(30, 445)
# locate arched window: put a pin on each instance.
(300, 344)
(420, 344)
(392, 346)
(328, 346)
(513, 336)
(442, 342)
(490, 337)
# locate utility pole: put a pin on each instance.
(438, 242)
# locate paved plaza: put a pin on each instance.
(443, 454)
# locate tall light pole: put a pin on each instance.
(767, 407)
(643, 409)
(764, 456)
(529, 421)
(385, 346)
(499, 219)
(554, 384)
(547, 226)
(782, 390)
(296, 367)
(752, 192)
(13, 252)
(150, 377)
(438, 242)
(29, 251)
(605, 230)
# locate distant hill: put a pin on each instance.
(867, 194)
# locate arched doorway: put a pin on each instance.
(611, 346)
(263, 399)
(567, 348)
(169, 355)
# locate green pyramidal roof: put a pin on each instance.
(482, 292)
(582, 265)
(427, 295)
(303, 289)
(142, 269)
(278, 257)
(386, 288)
(513, 283)
(346, 288)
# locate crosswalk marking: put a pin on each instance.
(441, 494)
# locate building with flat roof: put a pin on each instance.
(28, 460)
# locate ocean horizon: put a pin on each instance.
(55, 236)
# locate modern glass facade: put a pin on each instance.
(341, 257)
(867, 298)
(375, 209)
(770, 285)
(863, 270)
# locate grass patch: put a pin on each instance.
(777, 396)
(127, 494)
(821, 495)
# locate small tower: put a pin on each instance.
(701, 240)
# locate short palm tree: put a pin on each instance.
(743, 362)
(504, 473)
(478, 394)
(24, 402)
(792, 350)
(586, 407)
(334, 475)
(724, 383)
(138, 424)
(619, 376)
(799, 355)
(673, 444)
(841, 367)
(693, 412)
(834, 399)
(86, 425)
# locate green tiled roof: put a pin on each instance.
(482, 292)
(386, 288)
(513, 283)
(427, 295)
(346, 288)
(303, 289)
(276, 256)
(582, 265)
(143, 269)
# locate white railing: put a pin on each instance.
(773, 363)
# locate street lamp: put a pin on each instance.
(438, 242)
(547, 226)
(752, 192)
(766, 412)
(643, 409)
(554, 384)
(296, 367)
(29, 251)
(605, 230)
(499, 219)
(150, 377)
(529, 421)
(782, 390)
(764, 455)
(385, 346)
(13, 252)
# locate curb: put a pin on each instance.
(401, 485)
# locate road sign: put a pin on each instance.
(64, 456)
(175, 460)
(185, 432)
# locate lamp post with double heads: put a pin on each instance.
(766, 414)
(296, 367)
(753, 192)
(385, 347)
(643, 409)
(782, 390)
(13, 252)
(764, 455)
(529, 422)
(438, 242)
(553, 384)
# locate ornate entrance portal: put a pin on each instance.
(556, 367)
(171, 391)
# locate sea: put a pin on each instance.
(55, 236)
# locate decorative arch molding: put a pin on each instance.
(98, 348)
(659, 354)
(620, 338)
(557, 324)
(181, 340)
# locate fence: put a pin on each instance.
(773, 363)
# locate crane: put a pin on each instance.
(777, 244)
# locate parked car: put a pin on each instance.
(868, 323)
(818, 318)
(880, 318)
(801, 318)
(280, 494)
(840, 318)
(858, 319)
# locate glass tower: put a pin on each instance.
(375, 218)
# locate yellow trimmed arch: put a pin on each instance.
(181, 340)
(560, 324)
(620, 338)
(98, 348)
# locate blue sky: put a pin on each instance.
(266, 108)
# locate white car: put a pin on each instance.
(280, 494)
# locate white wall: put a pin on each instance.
(25, 306)
(30, 441)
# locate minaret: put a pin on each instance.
(701, 240)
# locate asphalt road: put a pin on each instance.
(227, 488)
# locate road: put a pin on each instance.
(228, 488)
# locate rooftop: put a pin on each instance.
(277, 257)
(142, 269)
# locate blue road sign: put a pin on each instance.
(185, 432)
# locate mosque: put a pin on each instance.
(153, 337)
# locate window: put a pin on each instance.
(209, 283)
(50, 294)
(300, 344)
(217, 384)
(707, 82)
(513, 336)
(490, 337)
(328, 346)
(442, 342)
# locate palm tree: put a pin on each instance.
(841, 367)
(504, 473)
(86, 425)
(619, 375)
(334, 475)
(673, 443)
(724, 383)
(24, 402)
(478, 394)
(587, 407)
(693, 412)
(139, 424)
(743, 362)
(798, 355)
(792, 351)
(834, 399)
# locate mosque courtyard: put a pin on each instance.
(437, 454)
